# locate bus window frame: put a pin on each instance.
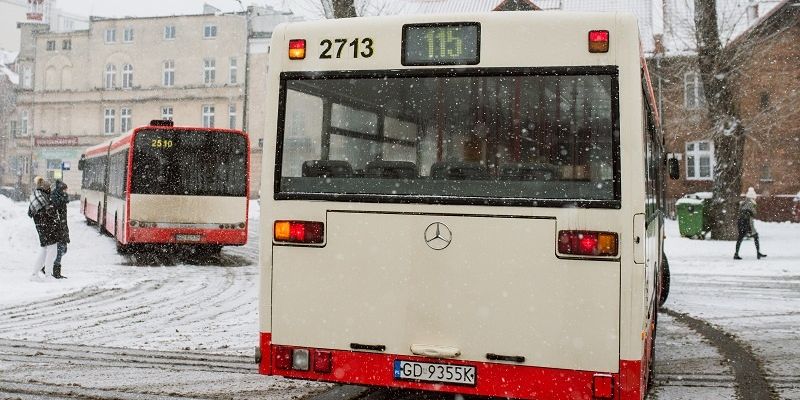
(611, 71)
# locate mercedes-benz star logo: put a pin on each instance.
(438, 236)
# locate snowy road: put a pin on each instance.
(169, 328)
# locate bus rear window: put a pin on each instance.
(488, 139)
(191, 162)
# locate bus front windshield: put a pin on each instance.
(479, 138)
(195, 163)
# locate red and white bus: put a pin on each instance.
(463, 203)
(162, 184)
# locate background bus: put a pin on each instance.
(161, 184)
(463, 203)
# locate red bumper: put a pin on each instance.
(225, 237)
(493, 379)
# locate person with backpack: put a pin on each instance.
(45, 218)
(60, 198)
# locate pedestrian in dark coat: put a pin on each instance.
(745, 226)
(60, 198)
(45, 217)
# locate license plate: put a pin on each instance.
(188, 238)
(446, 373)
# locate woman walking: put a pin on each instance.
(747, 212)
(60, 198)
(45, 218)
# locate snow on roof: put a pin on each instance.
(11, 75)
(7, 58)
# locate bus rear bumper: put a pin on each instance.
(227, 237)
(492, 379)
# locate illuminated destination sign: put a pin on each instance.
(442, 44)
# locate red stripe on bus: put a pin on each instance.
(493, 379)
(265, 366)
(167, 235)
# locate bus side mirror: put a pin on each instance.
(674, 168)
(81, 162)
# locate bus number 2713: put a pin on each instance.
(359, 47)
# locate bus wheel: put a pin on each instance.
(665, 278)
(124, 249)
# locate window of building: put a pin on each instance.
(127, 76)
(209, 31)
(694, 96)
(66, 44)
(111, 76)
(166, 112)
(208, 116)
(27, 77)
(169, 32)
(127, 35)
(125, 119)
(763, 101)
(111, 35)
(232, 116)
(51, 45)
(109, 120)
(12, 129)
(766, 174)
(232, 78)
(700, 160)
(209, 71)
(23, 123)
(169, 73)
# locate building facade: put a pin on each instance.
(767, 88)
(88, 86)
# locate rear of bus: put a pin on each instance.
(453, 208)
(186, 186)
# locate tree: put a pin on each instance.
(728, 130)
(350, 8)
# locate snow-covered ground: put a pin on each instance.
(758, 301)
(133, 304)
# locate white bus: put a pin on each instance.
(163, 185)
(462, 203)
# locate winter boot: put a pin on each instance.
(57, 271)
(736, 257)
(760, 256)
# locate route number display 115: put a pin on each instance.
(441, 44)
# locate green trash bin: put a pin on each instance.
(692, 209)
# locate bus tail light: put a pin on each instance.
(297, 49)
(299, 232)
(323, 361)
(587, 243)
(603, 386)
(598, 41)
(283, 357)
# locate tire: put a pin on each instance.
(665, 278)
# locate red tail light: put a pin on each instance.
(587, 243)
(299, 232)
(323, 361)
(598, 41)
(603, 386)
(283, 357)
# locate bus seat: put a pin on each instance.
(459, 170)
(528, 172)
(327, 169)
(391, 169)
